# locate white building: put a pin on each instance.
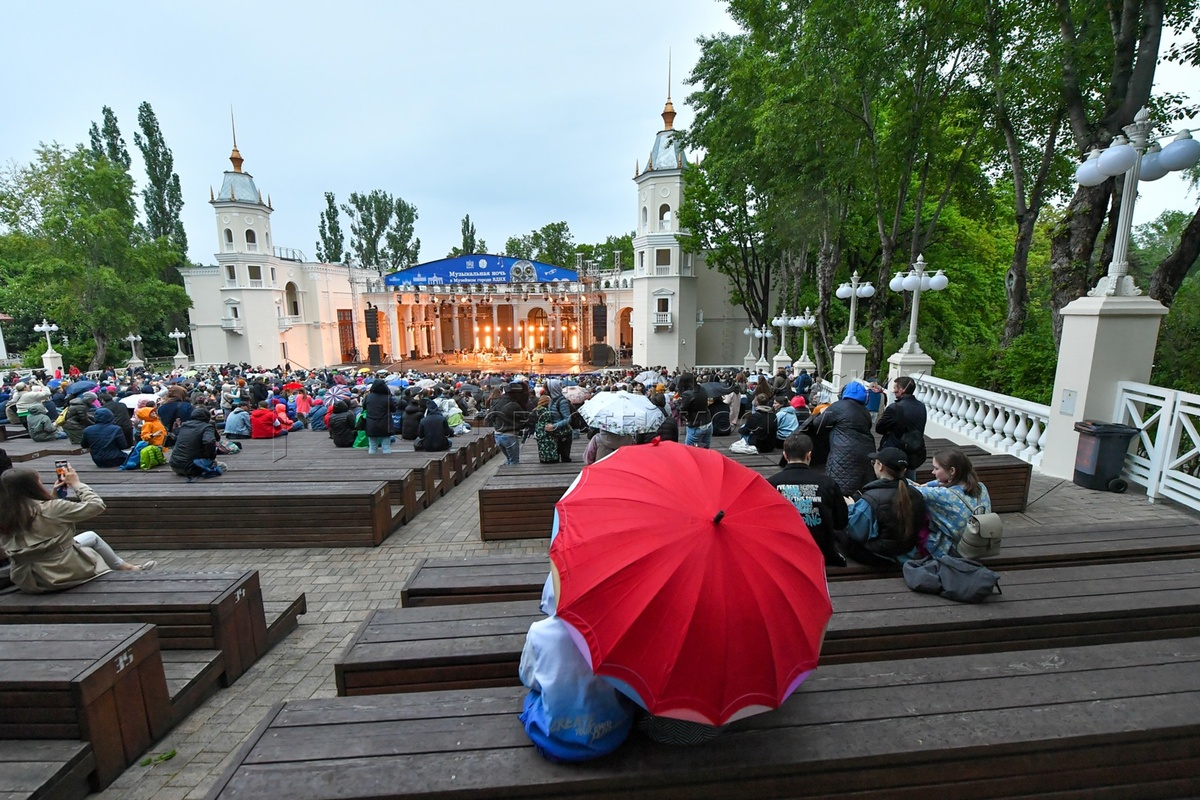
(265, 305)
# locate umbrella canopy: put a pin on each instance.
(575, 394)
(54, 383)
(191, 373)
(79, 387)
(648, 378)
(337, 392)
(293, 385)
(401, 382)
(702, 595)
(426, 383)
(621, 413)
(717, 389)
(132, 400)
(364, 370)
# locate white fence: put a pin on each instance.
(998, 422)
(1166, 458)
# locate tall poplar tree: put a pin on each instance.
(107, 141)
(331, 246)
(162, 198)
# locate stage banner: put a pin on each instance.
(481, 269)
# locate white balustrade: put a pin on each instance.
(1168, 424)
(997, 422)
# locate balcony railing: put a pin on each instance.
(231, 324)
(998, 422)
(662, 319)
(288, 322)
(256, 283)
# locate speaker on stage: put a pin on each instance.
(603, 355)
(375, 354)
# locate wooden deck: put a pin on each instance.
(1047, 723)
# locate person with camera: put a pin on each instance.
(37, 530)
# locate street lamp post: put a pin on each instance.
(51, 359)
(850, 357)
(134, 361)
(181, 359)
(748, 361)
(805, 321)
(1111, 335)
(763, 333)
(1135, 157)
(910, 359)
(782, 360)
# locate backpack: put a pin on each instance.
(953, 578)
(151, 457)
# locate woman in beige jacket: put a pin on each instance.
(38, 532)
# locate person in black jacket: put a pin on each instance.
(412, 418)
(433, 434)
(668, 431)
(759, 427)
(120, 414)
(105, 440)
(341, 425)
(693, 412)
(508, 416)
(195, 440)
(886, 517)
(378, 406)
(902, 424)
(847, 426)
(814, 494)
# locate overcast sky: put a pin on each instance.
(520, 113)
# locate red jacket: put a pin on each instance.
(264, 424)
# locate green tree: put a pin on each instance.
(519, 247)
(550, 244)
(331, 245)
(381, 231)
(402, 248)
(470, 243)
(93, 268)
(162, 197)
(615, 252)
(107, 141)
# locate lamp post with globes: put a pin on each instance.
(910, 359)
(134, 361)
(850, 357)
(782, 360)
(51, 359)
(1137, 158)
(181, 359)
(763, 333)
(805, 322)
(1110, 335)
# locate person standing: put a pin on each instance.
(847, 426)
(694, 413)
(814, 494)
(559, 426)
(902, 424)
(378, 406)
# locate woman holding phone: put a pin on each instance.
(37, 530)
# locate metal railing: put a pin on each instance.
(997, 422)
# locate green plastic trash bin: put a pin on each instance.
(1101, 454)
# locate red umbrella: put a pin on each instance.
(293, 385)
(690, 582)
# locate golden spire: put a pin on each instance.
(668, 114)
(211, 197)
(235, 157)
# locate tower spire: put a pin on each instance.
(668, 113)
(235, 157)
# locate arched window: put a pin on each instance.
(292, 296)
(228, 239)
(251, 242)
(645, 217)
(664, 217)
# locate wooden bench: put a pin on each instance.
(520, 506)
(485, 579)
(220, 514)
(26, 449)
(1113, 720)
(466, 646)
(45, 769)
(103, 684)
(10, 433)
(193, 611)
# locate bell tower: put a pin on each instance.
(664, 282)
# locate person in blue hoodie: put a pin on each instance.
(105, 440)
(237, 424)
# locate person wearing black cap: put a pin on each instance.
(885, 516)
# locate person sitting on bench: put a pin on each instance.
(951, 498)
(886, 516)
(38, 532)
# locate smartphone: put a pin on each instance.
(60, 468)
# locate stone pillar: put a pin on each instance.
(394, 327)
(849, 363)
(3, 349)
(1105, 340)
(406, 340)
(454, 328)
(437, 331)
